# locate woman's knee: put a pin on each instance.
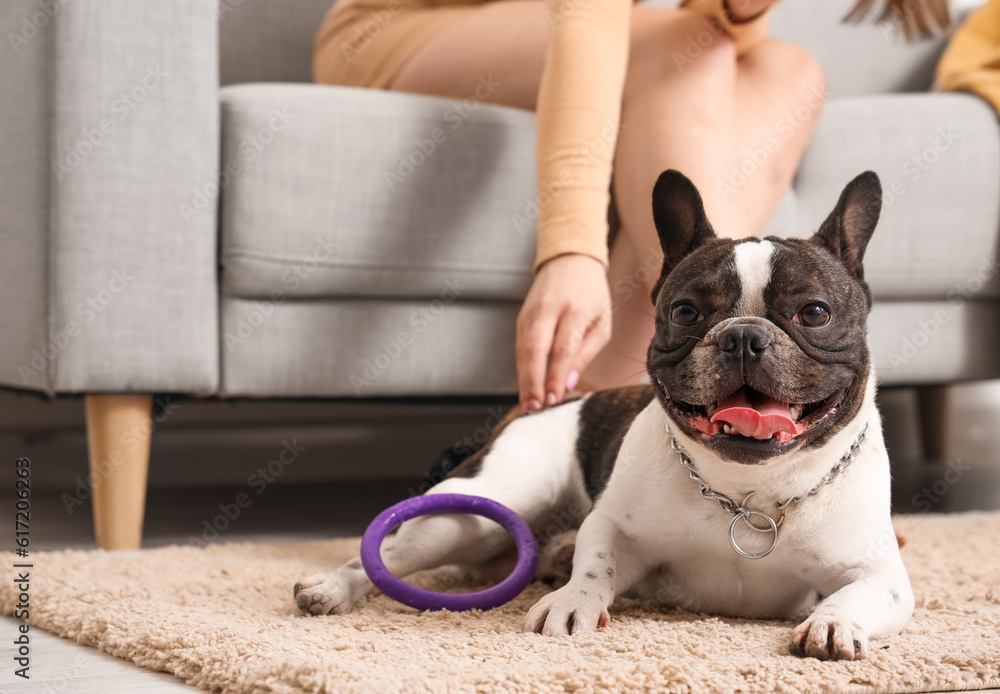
(796, 70)
(670, 44)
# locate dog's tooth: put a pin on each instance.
(710, 409)
(796, 412)
(728, 428)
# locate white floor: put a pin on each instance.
(58, 665)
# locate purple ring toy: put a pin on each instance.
(401, 591)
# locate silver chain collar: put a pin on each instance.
(741, 512)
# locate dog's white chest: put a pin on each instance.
(686, 535)
(709, 577)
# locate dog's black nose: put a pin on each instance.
(744, 340)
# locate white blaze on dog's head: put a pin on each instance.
(753, 265)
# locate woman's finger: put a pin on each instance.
(569, 337)
(535, 332)
(594, 341)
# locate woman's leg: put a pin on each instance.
(741, 152)
(504, 41)
(701, 114)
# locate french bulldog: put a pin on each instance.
(748, 479)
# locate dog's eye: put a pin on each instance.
(814, 315)
(685, 314)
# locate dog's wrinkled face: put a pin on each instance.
(761, 345)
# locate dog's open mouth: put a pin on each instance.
(750, 414)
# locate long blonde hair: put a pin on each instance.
(914, 18)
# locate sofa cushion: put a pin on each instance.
(390, 347)
(344, 192)
(938, 157)
(356, 192)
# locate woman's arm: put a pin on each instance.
(579, 105)
(579, 108)
(566, 317)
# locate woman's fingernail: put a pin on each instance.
(532, 405)
(572, 380)
(550, 399)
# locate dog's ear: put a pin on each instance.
(680, 220)
(850, 226)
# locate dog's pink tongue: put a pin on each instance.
(762, 419)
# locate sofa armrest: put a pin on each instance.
(108, 237)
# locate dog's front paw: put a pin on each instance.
(827, 637)
(568, 610)
(323, 594)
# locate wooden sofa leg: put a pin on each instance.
(119, 430)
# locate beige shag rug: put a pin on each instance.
(223, 618)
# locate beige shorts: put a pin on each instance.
(364, 43)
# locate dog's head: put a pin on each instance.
(761, 344)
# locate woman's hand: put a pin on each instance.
(745, 10)
(564, 322)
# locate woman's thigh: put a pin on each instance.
(506, 40)
(502, 41)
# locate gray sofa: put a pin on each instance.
(183, 212)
